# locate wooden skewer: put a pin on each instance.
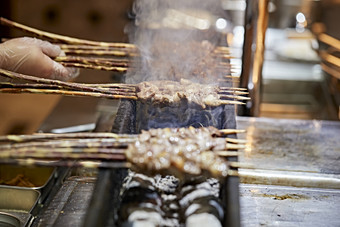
(231, 146)
(230, 76)
(234, 97)
(61, 38)
(231, 102)
(330, 58)
(62, 154)
(71, 144)
(81, 89)
(233, 88)
(330, 71)
(68, 85)
(93, 61)
(65, 92)
(115, 53)
(242, 165)
(7, 85)
(227, 153)
(232, 140)
(232, 131)
(97, 67)
(228, 80)
(62, 46)
(69, 163)
(115, 85)
(52, 136)
(234, 92)
(233, 173)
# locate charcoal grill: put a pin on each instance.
(105, 202)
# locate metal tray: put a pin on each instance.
(41, 177)
(18, 199)
(9, 220)
(18, 202)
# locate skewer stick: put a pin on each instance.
(61, 154)
(97, 67)
(70, 144)
(61, 38)
(113, 91)
(65, 92)
(234, 97)
(45, 136)
(227, 153)
(5, 85)
(232, 131)
(115, 53)
(330, 71)
(76, 86)
(69, 163)
(233, 88)
(231, 76)
(92, 61)
(228, 80)
(231, 146)
(231, 102)
(233, 173)
(234, 92)
(241, 165)
(132, 48)
(232, 140)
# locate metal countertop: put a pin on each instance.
(304, 153)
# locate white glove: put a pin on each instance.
(32, 56)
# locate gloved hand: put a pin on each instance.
(32, 56)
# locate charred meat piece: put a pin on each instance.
(181, 151)
(172, 92)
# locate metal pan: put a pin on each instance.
(8, 220)
(18, 199)
(41, 177)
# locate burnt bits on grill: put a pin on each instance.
(181, 152)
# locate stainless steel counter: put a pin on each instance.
(297, 177)
(292, 176)
(291, 145)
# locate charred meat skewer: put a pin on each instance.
(157, 92)
(182, 150)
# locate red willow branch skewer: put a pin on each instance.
(67, 163)
(94, 61)
(61, 38)
(110, 53)
(97, 67)
(75, 89)
(6, 87)
(84, 135)
(92, 47)
(67, 93)
(76, 41)
(80, 88)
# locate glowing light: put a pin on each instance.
(300, 18)
(221, 23)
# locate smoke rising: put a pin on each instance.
(175, 39)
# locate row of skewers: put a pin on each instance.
(213, 95)
(200, 149)
(109, 56)
(116, 151)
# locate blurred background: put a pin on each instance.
(298, 79)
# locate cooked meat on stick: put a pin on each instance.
(178, 151)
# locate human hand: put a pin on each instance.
(32, 56)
